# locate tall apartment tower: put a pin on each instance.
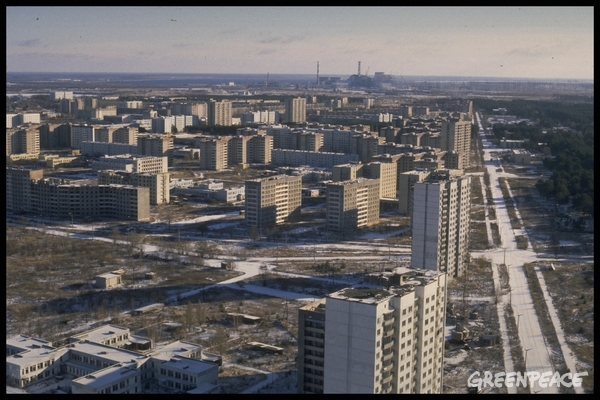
(440, 223)
(156, 146)
(456, 136)
(375, 340)
(352, 204)
(273, 200)
(219, 113)
(295, 110)
(214, 152)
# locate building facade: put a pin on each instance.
(273, 200)
(440, 223)
(295, 110)
(456, 136)
(352, 204)
(375, 340)
(219, 113)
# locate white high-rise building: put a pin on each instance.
(440, 223)
(375, 340)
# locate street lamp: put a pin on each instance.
(518, 317)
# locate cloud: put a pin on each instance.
(529, 52)
(282, 39)
(28, 43)
(265, 52)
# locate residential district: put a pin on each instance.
(98, 158)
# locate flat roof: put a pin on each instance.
(108, 375)
(25, 342)
(114, 354)
(99, 334)
(177, 348)
(190, 365)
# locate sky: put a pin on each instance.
(506, 42)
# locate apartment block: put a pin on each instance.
(23, 141)
(82, 133)
(375, 340)
(129, 163)
(18, 188)
(352, 204)
(406, 184)
(346, 172)
(214, 152)
(156, 146)
(219, 113)
(55, 136)
(440, 223)
(99, 149)
(273, 200)
(318, 159)
(295, 110)
(387, 175)
(28, 191)
(157, 183)
(456, 136)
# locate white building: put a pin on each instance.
(375, 340)
(440, 223)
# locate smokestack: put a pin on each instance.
(359, 68)
(317, 73)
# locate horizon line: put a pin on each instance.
(396, 76)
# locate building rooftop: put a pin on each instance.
(113, 354)
(188, 365)
(108, 375)
(178, 348)
(24, 342)
(101, 333)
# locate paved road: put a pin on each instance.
(537, 357)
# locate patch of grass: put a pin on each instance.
(548, 332)
(522, 242)
(496, 234)
(510, 205)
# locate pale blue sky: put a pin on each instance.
(527, 42)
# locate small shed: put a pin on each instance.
(150, 275)
(108, 280)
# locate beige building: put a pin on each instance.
(158, 184)
(128, 163)
(387, 175)
(456, 136)
(156, 146)
(219, 113)
(273, 200)
(28, 191)
(347, 172)
(23, 141)
(18, 188)
(352, 204)
(214, 152)
(440, 223)
(108, 280)
(295, 110)
(375, 340)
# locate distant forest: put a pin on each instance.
(572, 179)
